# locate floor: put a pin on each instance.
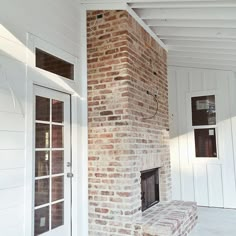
(215, 222)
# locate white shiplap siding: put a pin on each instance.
(12, 221)
(57, 23)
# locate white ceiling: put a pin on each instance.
(197, 33)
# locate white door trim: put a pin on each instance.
(78, 91)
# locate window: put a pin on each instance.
(49, 209)
(205, 142)
(54, 64)
(204, 116)
(203, 110)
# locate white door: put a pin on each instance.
(52, 169)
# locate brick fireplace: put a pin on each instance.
(127, 75)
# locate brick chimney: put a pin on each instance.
(127, 133)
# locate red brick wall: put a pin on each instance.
(124, 62)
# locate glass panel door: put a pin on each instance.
(52, 162)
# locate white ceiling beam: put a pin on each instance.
(173, 63)
(104, 6)
(202, 55)
(202, 61)
(101, 1)
(216, 50)
(229, 24)
(196, 32)
(165, 1)
(188, 14)
(183, 4)
(191, 38)
(212, 44)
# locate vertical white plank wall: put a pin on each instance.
(208, 181)
(174, 141)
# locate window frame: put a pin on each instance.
(197, 111)
(49, 79)
(191, 128)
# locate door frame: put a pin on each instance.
(77, 89)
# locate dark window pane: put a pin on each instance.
(41, 192)
(203, 110)
(57, 162)
(57, 136)
(42, 163)
(205, 142)
(42, 108)
(41, 220)
(57, 215)
(57, 188)
(42, 137)
(54, 64)
(57, 111)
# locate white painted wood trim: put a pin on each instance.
(166, 1)
(103, 5)
(183, 4)
(102, 1)
(48, 79)
(28, 227)
(80, 134)
(50, 48)
(212, 13)
(192, 158)
(194, 32)
(78, 91)
(193, 23)
(199, 64)
(232, 83)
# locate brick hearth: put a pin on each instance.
(175, 218)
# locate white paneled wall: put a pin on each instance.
(209, 181)
(12, 145)
(55, 22)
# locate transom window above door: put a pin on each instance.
(53, 64)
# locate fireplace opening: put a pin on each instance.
(149, 188)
